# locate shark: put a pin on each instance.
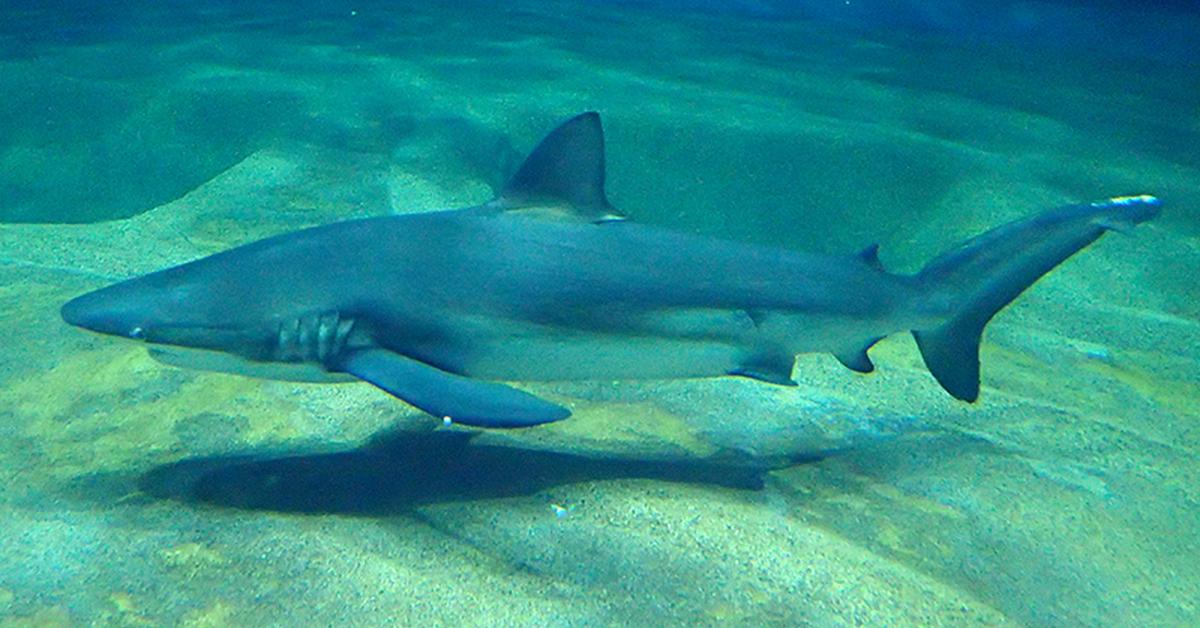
(547, 281)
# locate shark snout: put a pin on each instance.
(103, 312)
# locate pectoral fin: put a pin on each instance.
(442, 394)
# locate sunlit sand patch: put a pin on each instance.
(619, 426)
(130, 409)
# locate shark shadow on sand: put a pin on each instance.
(403, 470)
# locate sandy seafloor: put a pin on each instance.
(1068, 495)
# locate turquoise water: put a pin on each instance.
(135, 136)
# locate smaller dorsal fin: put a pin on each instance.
(870, 256)
(565, 173)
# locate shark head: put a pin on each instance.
(130, 308)
(173, 307)
(212, 314)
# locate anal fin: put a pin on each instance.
(772, 368)
(447, 395)
(855, 357)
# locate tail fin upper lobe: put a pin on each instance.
(979, 277)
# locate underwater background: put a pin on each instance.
(135, 135)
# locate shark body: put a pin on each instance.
(549, 282)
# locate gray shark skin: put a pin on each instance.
(549, 282)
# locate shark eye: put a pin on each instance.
(137, 333)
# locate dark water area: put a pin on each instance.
(1099, 27)
(1102, 28)
(111, 129)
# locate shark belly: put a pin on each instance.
(599, 356)
(659, 344)
(612, 345)
(221, 362)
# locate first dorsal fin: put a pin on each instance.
(565, 174)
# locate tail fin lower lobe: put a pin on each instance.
(982, 275)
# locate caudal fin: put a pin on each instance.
(979, 277)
